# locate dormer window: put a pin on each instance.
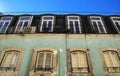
(4, 23)
(47, 24)
(74, 25)
(97, 24)
(24, 21)
(116, 22)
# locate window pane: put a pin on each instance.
(7, 59)
(71, 27)
(25, 18)
(48, 18)
(74, 58)
(14, 59)
(116, 19)
(83, 60)
(49, 25)
(6, 18)
(95, 27)
(25, 24)
(101, 27)
(108, 59)
(48, 62)
(1, 24)
(40, 60)
(116, 61)
(44, 25)
(73, 18)
(77, 27)
(20, 24)
(4, 27)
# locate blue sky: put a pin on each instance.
(61, 6)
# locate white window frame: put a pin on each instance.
(29, 22)
(5, 22)
(112, 18)
(68, 21)
(47, 22)
(100, 20)
(44, 60)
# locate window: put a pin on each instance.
(47, 24)
(79, 62)
(111, 61)
(74, 24)
(116, 22)
(24, 21)
(10, 60)
(97, 24)
(44, 62)
(4, 24)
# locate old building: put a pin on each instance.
(59, 45)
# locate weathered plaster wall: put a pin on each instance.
(61, 42)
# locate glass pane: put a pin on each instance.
(77, 27)
(6, 18)
(4, 27)
(7, 59)
(118, 25)
(83, 60)
(14, 59)
(48, 18)
(71, 27)
(1, 24)
(116, 19)
(49, 25)
(108, 60)
(101, 27)
(44, 25)
(25, 24)
(40, 60)
(25, 18)
(48, 62)
(73, 18)
(116, 61)
(74, 59)
(95, 26)
(20, 24)
(95, 18)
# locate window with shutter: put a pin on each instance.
(9, 60)
(44, 61)
(112, 61)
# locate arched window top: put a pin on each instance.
(77, 49)
(109, 49)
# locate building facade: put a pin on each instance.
(59, 45)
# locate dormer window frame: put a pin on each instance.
(97, 19)
(23, 22)
(114, 21)
(5, 21)
(73, 20)
(47, 20)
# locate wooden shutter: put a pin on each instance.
(48, 61)
(40, 60)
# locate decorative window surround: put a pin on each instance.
(50, 72)
(10, 71)
(111, 67)
(82, 71)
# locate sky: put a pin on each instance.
(60, 6)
